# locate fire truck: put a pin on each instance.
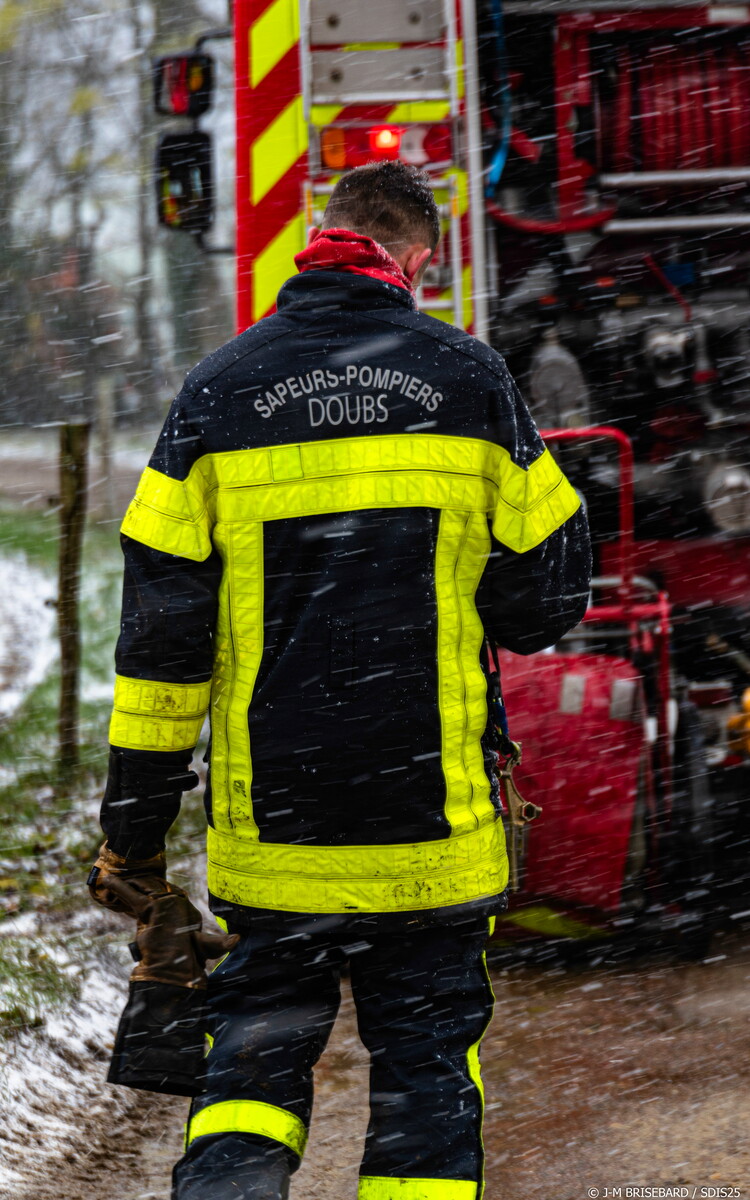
(591, 163)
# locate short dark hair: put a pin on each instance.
(391, 202)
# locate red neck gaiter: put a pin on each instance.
(342, 250)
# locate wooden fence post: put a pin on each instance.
(74, 440)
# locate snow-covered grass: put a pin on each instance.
(27, 642)
(63, 962)
(61, 1003)
(37, 976)
(48, 827)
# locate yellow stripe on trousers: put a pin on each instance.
(473, 1058)
(380, 1187)
(249, 1116)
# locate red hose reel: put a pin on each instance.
(678, 108)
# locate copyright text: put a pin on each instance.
(682, 1192)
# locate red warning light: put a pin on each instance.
(385, 141)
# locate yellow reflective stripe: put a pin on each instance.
(431, 470)
(525, 490)
(389, 471)
(152, 698)
(426, 112)
(271, 37)
(277, 148)
(450, 684)
(239, 649)
(142, 733)
(378, 1187)
(472, 1058)
(170, 514)
(348, 493)
(355, 455)
(324, 114)
(222, 925)
(398, 471)
(350, 46)
(149, 715)
(462, 190)
(337, 879)
(274, 264)
(469, 569)
(249, 1116)
(545, 499)
(538, 918)
(462, 547)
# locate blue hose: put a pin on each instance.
(500, 157)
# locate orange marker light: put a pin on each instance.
(333, 148)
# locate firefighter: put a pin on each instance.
(342, 499)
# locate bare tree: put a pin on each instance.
(87, 271)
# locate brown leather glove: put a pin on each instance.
(170, 944)
(147, 876)
(159, 1044)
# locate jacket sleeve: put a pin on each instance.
(164, 652)
(536, 583)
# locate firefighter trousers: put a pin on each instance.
(423, 1001)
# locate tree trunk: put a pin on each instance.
(73, 482)
(105, 415)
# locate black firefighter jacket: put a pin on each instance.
(342, 499)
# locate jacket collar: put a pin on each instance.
(345, 250)
(328, 290)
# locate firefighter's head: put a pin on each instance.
(392, 203)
